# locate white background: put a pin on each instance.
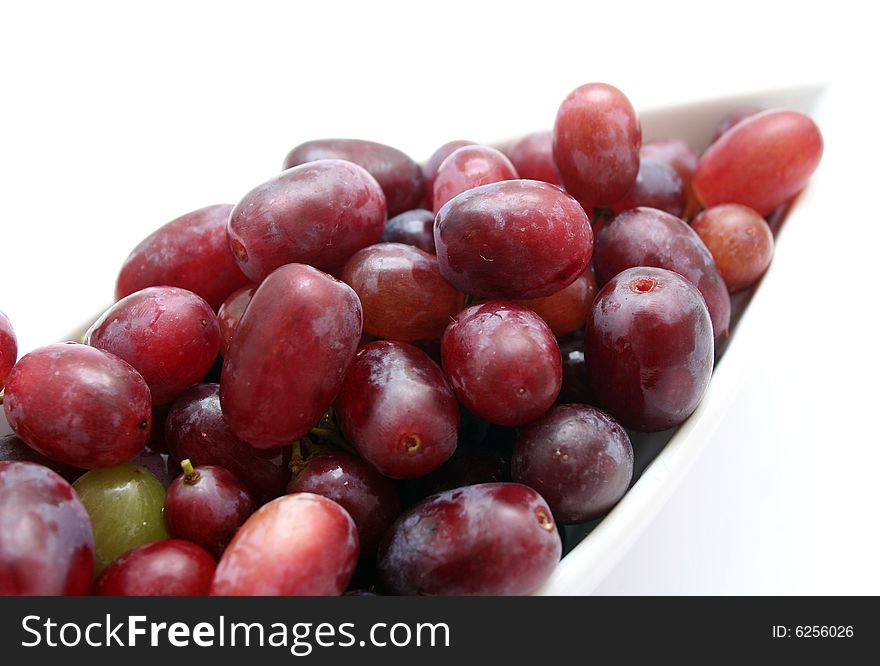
(116, 119)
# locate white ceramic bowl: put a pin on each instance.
(667, 457)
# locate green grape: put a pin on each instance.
(125, 506)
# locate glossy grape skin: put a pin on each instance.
(401, 291)
(532, 157)
(468, 467)
(13, 449)
(319, 213)
(503, 362)
(398, 175)
(681, 157)
(414, 227)
(191, 252)
(596, 142)
(124, 504)
(230, 314)
(566, 311)
(761, 162)
(167, 568)
(196, 430)
(658, 185)
(288, 356)
(578, 458)
(649, 348)
(513, 239)
(397, 410)
(370, 499)
(8, 348)
(297, 545)
(46, 542)
(488, 539)
(740, 241)
(434, 162)
(650, 237)
(735, 117)
(207, 507)
(78, 405)
(467, 168)
(575, 383)
(169, 335)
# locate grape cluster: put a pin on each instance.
(373, 376)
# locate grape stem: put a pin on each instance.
(190, 475)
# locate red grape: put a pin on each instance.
(167, 568)
(191, 252)
(658, 185)
(761, 162)
(169, 335)
(414, 227)
(402, 293)
(596, 143)
(288, 356)
(434, 162)
(650, 237)
(649, 348)
(318, 213)
(78, 405)
(503, 362)
(8, 349)
(397, 409)
(206, 505)
(400, 178)
(740, 241)
(370, 499)
(46, 542)
(230, 314)
(681, 157)
(13, 449)
(735, 117)
(578, 458)
(532, 157)
(575, 384)
(513, 239)
(196, 430)
(296, 545)
(566, 311)
(467, 168)
(488, 539)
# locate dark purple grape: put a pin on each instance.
(658, 185)
(207, 505)
(46, 542)
(489, 539)
(596, 143)
(468, 467)
(78, 405)
(649, 348)
(575, 386)
(503, 362)
(369, 497)
(401, 179)
(9, 348)
(414, 227)
(288, 355)
(297, 545)
(191, 252)
(650, 237)
(397, 410)
(318, 213)
(167, 568)
(578, 458)
(169, 335)
(532, 156)
(513, 239)
(196, 430)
